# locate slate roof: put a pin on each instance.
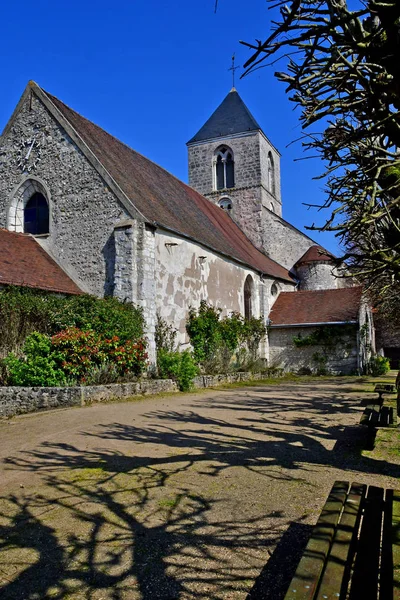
(232, 116)
(164, 200)
(315, 254)
(24, 262)
(316, 306)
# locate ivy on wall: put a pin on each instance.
(331, 340)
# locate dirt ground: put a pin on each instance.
(202, 496)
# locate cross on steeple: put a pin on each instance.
(233, 69)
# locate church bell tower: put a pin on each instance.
(232, 162)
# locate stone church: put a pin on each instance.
(82, 212)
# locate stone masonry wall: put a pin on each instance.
(83, 210)
(135, 275)
(317, 276)
(281, 241)
(20, 400)
(270, 197)
(251, 189)
(285, 355)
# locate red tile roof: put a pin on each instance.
(24, 262)
(316, 306)
(315, 254)
(166, 201)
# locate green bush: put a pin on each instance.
(102, 374)
(179, 366)
(23, 311)
(106, 316)
(165, 335)
(39, 367)
(378, 365)
(204, 329)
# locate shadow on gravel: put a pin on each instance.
(274, 579)
(133, 522)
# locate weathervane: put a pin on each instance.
(233, 69)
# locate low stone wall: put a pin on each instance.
(206, 381)
(20, 400)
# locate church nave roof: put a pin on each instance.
(159, 197)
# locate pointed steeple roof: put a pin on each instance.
(232, 116)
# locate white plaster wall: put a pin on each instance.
(187, 273)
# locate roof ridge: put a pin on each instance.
(156, 195)
(353, 287)
(122, 143)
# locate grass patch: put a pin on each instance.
(292, 378)
(95, 472)
(387, 441)
(168, 503)
(387, 446)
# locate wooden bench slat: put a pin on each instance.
(366, 569)
(336, 574)
(305, 582)
(386, 574)
(396, 544)
(385, 387)
(379, 416)
(355, 544)
(370, 414)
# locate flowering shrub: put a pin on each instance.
(79, 351)
(71, 356)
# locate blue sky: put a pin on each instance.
(151, 73)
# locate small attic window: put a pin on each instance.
(224, 169)
(225, 204)
(274, 289)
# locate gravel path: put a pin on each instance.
(208, 495)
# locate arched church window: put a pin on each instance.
(225, 203)
(271, 174)
(248, 297)
(36, 215)
(224, 169)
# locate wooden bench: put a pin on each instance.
(384, 388)
(376, 415)
(354, 549)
